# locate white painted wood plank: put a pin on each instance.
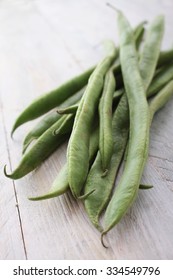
(137, 231)
(11, 242)
(43, 43)
(45, 224)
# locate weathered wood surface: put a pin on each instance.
(42, 44)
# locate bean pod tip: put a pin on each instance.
(5, 172)
(102, 240)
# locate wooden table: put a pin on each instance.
(42, 44)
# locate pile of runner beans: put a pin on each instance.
(106, 113)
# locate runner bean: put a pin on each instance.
(50, 100)
(49, 120)
(127, 189)
(60, 184)
(78, 148)
(105, 117)
(45, 145)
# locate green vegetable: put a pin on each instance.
(50, 100)
(61, 185)
(78, 148)
(105, 124)
(45, 145)
(49, 120)
(127, 189)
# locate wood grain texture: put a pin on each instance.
(11, 235)
(42, 44)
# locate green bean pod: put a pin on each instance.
(149, 58)
(60, 184)
(103, 186)
(78, 147)
(161, 79)
(40, 128)
(53, 117)
(165, 57)
(105, 117)
(127, 189)
(45, 145)
(49, 120)
(97, 201)
(138, 35)
(50, 100)
(161, 99)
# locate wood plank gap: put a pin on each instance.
(157, 157)
(14, 187)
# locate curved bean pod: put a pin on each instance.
(49, 120)
(60, 184)
(98, 200)
(127, 189)
(78, 148)
(52, 117)
(40, 128)
(46, 144)
(138, 35)
(50, 100)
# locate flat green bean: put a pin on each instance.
(149, 57)
(161, 79)
(161, 99)
(49, 120)
(105, 123)
(60, 184)
(127, 189)
(138, 35)
(50, 100)
(45, 145)
(78, 147)
(53, 117)
(97, 201)
(39, 129)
